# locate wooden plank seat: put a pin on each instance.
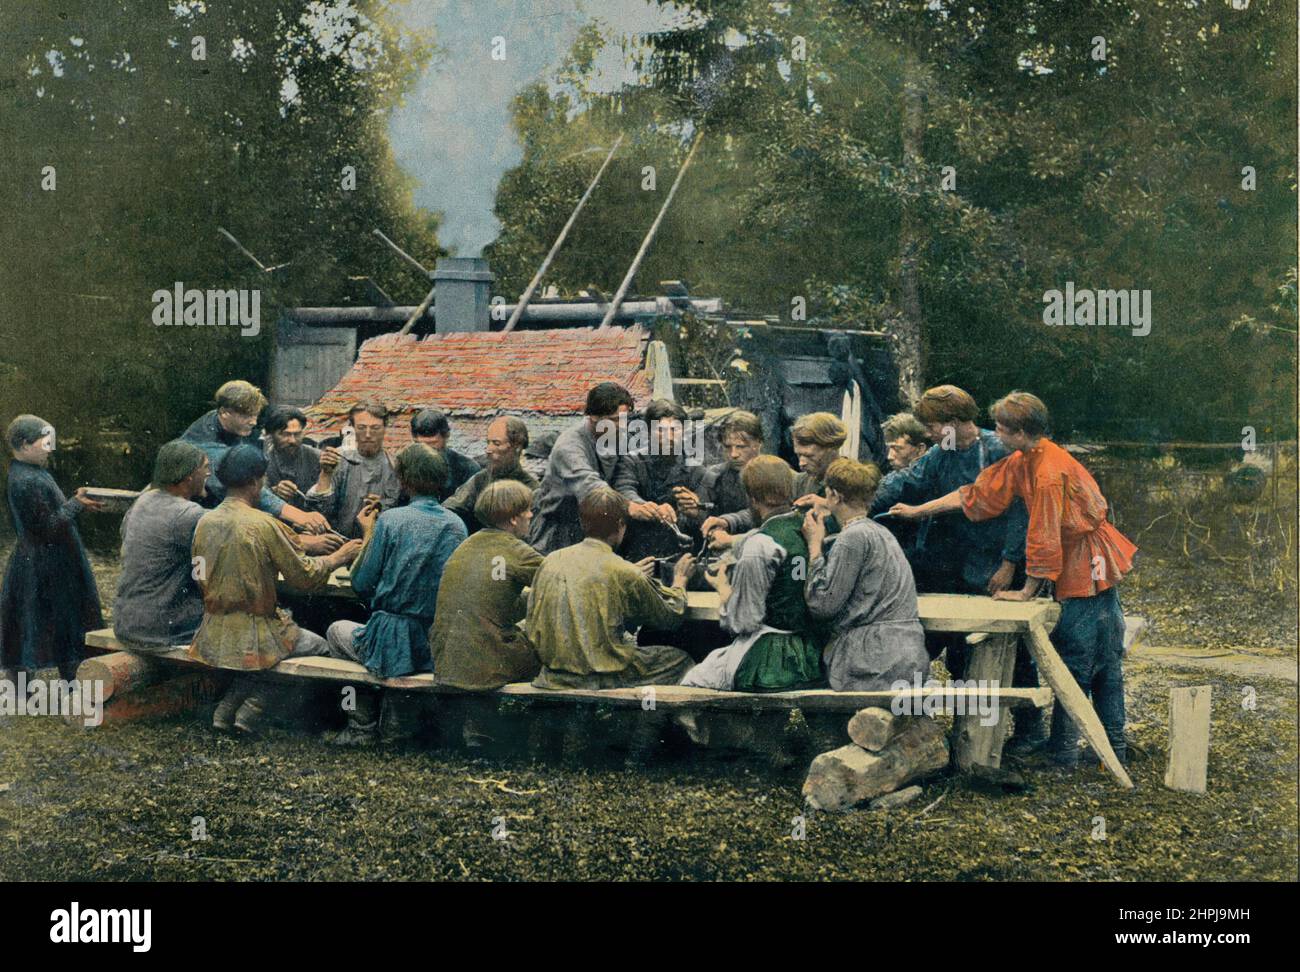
(1005, 624)
(664, 696)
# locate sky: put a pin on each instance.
(453, 135)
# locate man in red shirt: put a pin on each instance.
(1070, 544)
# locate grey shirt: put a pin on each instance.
(158, 603)
(574, 469)
(743, 615)
(348, 489)
(758, 559)
(864, 587)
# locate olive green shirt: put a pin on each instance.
(586, 601)
(475, 638)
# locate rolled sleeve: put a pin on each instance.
(271, 503)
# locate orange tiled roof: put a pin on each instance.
(475, 376)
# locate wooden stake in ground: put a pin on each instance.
(842, 777)
(1189, 738)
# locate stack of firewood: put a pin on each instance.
(887, 752)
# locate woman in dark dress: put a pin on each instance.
(49, 600)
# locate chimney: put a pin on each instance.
(463, 291)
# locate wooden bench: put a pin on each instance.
(124, 670)
(1004, 623)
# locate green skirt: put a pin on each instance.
(780, 663)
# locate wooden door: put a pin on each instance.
(309, 361)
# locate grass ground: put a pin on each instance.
(126, 802)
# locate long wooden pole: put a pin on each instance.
(649, 238)
(419, 311)
(1071, 698)
(224, 232)
(403, 254)
(559, 241)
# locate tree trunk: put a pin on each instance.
(909, 341)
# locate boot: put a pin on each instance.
(1029, 735)
(1089, 755)
(249, 716)
(354, 734)
(223, 717)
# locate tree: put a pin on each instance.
(1101, 143)
(157, 128)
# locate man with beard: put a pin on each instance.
(507, 438)
(292, 466)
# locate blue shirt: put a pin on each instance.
(951, 552)
(398, 574)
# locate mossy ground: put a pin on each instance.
(121, 802)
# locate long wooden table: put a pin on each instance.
(1006, 623)
(993, 658)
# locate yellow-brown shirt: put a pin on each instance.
(237, 552)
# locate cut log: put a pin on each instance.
(873, 728)
(171, 696)
(843, 777)
(975, 740)
(892, 801)
(122, 672)
(1189, 738)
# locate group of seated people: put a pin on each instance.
(486, 577)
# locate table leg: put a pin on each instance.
(1069, 695)
(974, 744)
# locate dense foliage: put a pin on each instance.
(935, 168)
(152, 150)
